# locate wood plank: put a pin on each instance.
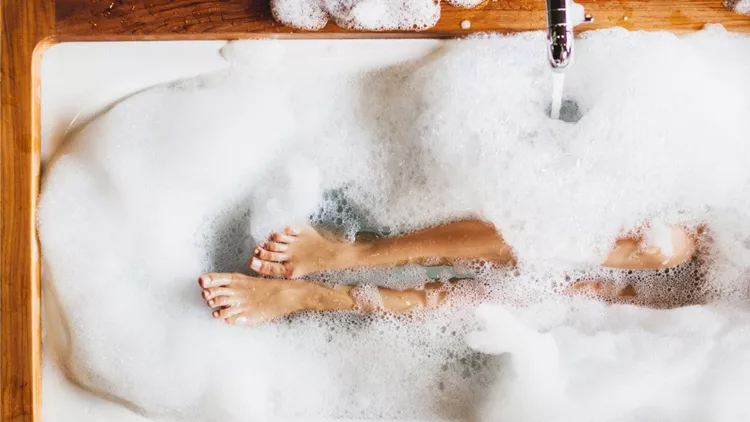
(231, 19)
(25, 24)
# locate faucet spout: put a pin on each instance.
(560, 22)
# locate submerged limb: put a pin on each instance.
(635, 254)
(301, 250)
(244, 300)
(628, 294)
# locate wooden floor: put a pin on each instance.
(29, 26)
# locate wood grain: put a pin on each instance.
(29, 26)
(232, 19)
(25, 26)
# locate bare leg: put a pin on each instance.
(243, 300)
(627, 295)
(301, 250)
(630, 253)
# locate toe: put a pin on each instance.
(267, 267)
(271, 256)
(222, 301)
(216, 279)
(209, 294)
(281, 238)
(227, 312)
(274, 246)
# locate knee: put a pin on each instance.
(682, 250)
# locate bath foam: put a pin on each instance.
(466, 4)
(739, 6)
(586, 361)
(367, 15)
(185, 178)
(373, 15)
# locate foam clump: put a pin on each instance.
(659, 235)
(586, 361)
(466, 4)
(739, 6)
(299, 199)
(364, 15)
(533, 392)
(187, 177)
(371, 15)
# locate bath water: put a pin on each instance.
(186, 177)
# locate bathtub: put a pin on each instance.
(35, 122)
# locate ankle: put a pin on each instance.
(337, 298)
(350, 255)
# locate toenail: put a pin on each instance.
(216, 314)
(211, 302)
(206, 279)
(205, 293)
(241, 320)
(257, 251)
(255, 264)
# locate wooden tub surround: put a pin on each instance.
(29, 27)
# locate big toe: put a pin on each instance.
(217, 279)
(267, 267)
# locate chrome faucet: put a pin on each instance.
(560, 23)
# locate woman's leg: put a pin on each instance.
(243, 300)
(301, 250)
(629, 295)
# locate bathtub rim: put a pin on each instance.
(30, 27)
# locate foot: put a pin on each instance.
(243, 300)
(298, 251)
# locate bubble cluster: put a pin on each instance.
(368, 15)
(358, 14)
(739, 6)
(186, 178)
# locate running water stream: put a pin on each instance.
(558, 82)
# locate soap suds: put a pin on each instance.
(184, 178)
(369, 15)
(659, 235)
(586, 361)
(739, 6)
(466, 4)
(364, 15)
